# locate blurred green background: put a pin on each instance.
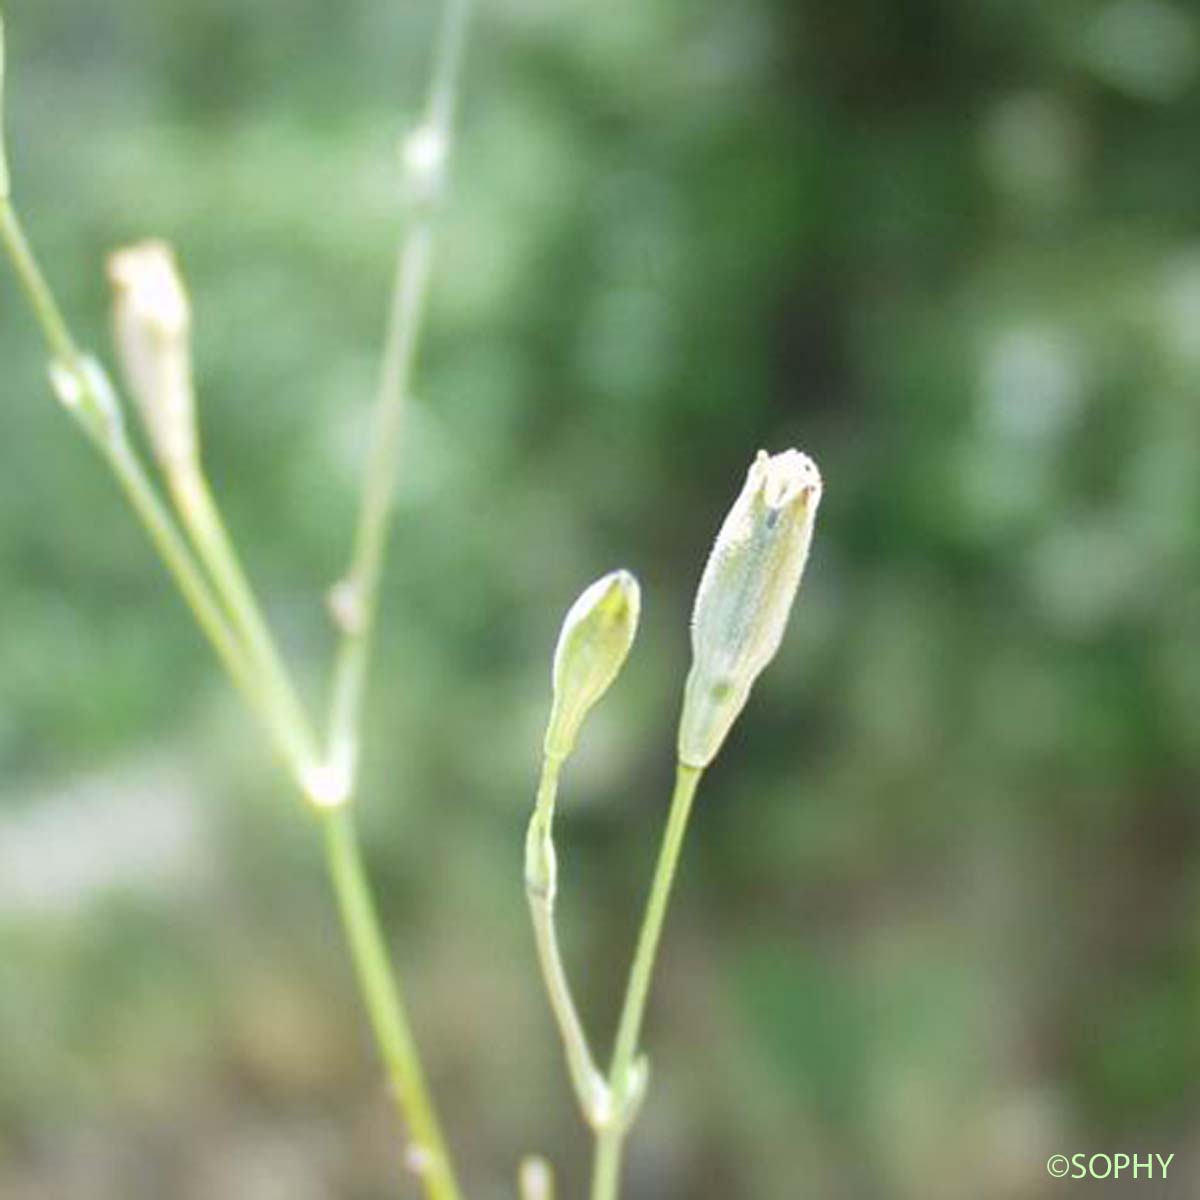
(940, 910)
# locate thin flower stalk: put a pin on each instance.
(541, 888)
(743, 603)
(354, 599)
(224, 607)
(627, 1074)
(593, 645)
(152, 327)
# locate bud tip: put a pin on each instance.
(536, 1179)
(145, 277)
(596, 636)
(152, 328)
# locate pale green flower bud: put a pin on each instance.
(152, 325)
(745, 596)
(596, 635)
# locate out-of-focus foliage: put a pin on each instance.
(940, 915)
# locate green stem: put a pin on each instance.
(37, 290)
(380, 990)
(385, 1005)
(263, 679)
(536, 1179)
(196, 506)
(132, 477)
(414, 266)
(541, 872)
(370, 538)
(610, 1141)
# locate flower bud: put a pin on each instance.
(592, 647)
(745, 596)
(152, 327)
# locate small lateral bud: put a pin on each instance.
(536, 1179)
(425, 154)
(328, 784)
(417, 1159)
(84, 390)
(344, 601)
(152, 323)
(596, 636)
(637, 1083)
(745, 596)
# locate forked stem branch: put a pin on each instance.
(426, 161)
(226, 610)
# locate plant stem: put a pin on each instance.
(380, 990)
(610, 1141)
(173, 550)
(266, 689)
(370, 538)
(360, 591)
(591, 1090)
(134, 481)
(414, 265)
(249, 655)
(196, 506)
(385, 1005)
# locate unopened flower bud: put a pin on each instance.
(596, 635)
(745, 596)
(152, 327)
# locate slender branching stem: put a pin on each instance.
(541, 872)
(380, 990)
(358, 602)
(225, 608)
(426, 161)
(132, 476)
(202, 518)
(360, 588)
(356, 618)
(442, 98)
(610, 1141)
(159, 525)
(385, 1006)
